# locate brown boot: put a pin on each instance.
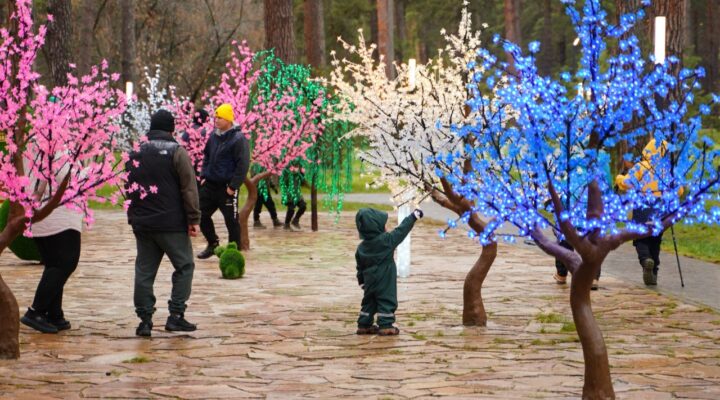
(391, 331)
(371, 330)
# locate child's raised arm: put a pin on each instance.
(398, 234)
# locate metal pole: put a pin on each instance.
(677, 257)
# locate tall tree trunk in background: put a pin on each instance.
(547, 55)
(59, 38)
(85, 42)
(129, 73)
(314, 29)
(374, 27)
(279, 31)
(386, 42)
(400, 28)
(674, 11)
(711, 50)
(3, 13)
(512, 24)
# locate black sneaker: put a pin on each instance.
(144, 329)
(277, 223)
(258, 225)
(649, 277)
(209, 251)
(60, 323)
(38, 322)
(178, 323)
(297, 226)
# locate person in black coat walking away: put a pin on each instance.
(163, 221)
(225, 166)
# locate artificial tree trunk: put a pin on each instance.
(598, 384)
(246, 210)
(473, 307)
(9, 311)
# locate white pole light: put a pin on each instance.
(660, 23)
(412, 72)
(128, 91)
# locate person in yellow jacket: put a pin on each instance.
(648, 249)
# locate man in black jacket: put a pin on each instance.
(225, 166)
(164, 213)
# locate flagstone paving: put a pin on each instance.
(286, 330)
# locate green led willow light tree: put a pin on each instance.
(328, 162)
(542, 169)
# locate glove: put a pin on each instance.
(418, 213)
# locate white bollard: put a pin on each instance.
(403, 251)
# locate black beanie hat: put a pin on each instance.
(201, 117)
(162, 120)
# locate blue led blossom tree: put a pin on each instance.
(543, 170)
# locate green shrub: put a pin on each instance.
(232, 262)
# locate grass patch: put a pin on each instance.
(137, 360)
(418, 336)
(568, 327)
(698, 241)
(550, 318)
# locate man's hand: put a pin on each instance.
(193, 230)
(418, 213)
(230, 191)
(202, 181)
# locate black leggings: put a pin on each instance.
(268, 203)
(61, 254)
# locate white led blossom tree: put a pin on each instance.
(409, 120)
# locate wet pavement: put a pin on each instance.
(286, 330)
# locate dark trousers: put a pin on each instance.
(649, 247)
(561, 270)
(268, 203)
(61, 254)
(213, 197)
(291, 215)
(380, 296)
(151, 247)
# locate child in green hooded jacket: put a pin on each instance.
(376, 270)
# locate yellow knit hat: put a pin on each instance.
(225, 112)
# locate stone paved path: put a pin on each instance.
(287, 329)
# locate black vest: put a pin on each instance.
(162, 211)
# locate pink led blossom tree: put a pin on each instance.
(278, 132)
(60, 144)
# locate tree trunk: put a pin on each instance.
(128, 41)
(712, 47)
(386, 42)
(547, 50)
(314, 30)
(473, 307)
(597, 384)
(313, 204)
(246, 210)
(374, 27)
(86, 37)
(59, 37)
(674, 11)
(401, 28)
(279, 31)
(512, 26)
(9, 314)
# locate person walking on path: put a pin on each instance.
(163, 221)
(265, 199)
(648, 249)
(376, 269)
(58, 240)
(225, 166)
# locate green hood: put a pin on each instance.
(370, 222)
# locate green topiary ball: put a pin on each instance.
(232, 262)
(24, 248)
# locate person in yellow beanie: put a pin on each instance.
(225, 165)
(648, 249)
